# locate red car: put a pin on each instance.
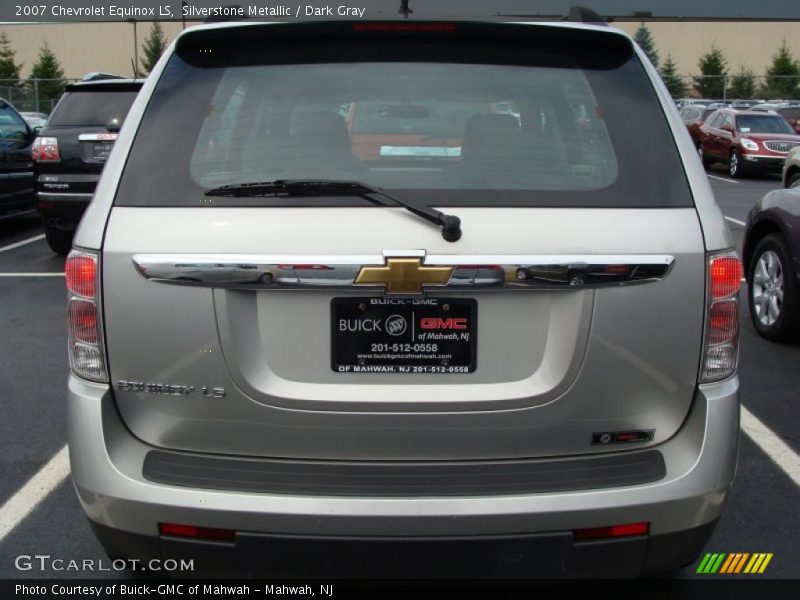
(694, 115)
(746, 141)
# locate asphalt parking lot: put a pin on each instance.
(763, 514)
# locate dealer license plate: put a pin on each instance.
(404, 335)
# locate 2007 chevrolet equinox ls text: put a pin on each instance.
(501, 343)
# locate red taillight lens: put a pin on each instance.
(45, 149)
(208, 533)
(614, 531)
(82, 316)
(721, 346)
(726, 276)
(81, 272)
(723, 322)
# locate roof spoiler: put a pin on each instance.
(581, 14)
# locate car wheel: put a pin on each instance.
(793, 181)
(772, 291)
(60, 241)
(735, 167)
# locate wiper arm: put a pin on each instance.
(450, 224)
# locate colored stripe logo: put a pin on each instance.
(734, 563)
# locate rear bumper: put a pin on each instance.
(62, 211)
(700, 460)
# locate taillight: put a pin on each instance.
(721, 345)
(45, 149)
(86, 355)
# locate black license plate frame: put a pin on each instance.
(404, 335)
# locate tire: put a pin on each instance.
(772, 291)
(735, 166)
(60, 241)
(793, 181)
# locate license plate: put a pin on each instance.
(404, 335)
(101, 150)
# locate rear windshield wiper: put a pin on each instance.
(450, 224)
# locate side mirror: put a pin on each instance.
(36, 131)
(114, 125)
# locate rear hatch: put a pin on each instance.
(84, 124)
(258, 324)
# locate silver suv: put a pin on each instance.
(286, 360)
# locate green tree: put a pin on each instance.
(743, 84)
(673, 81)
(783, 75)
(48, 70)
(713, 69)
(644, 38)
(9, 69)
(153, 47)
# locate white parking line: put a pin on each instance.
(723, 179)
(737, 221)
(31, 274)
(22, 243)
(21, 504)
(772, 445)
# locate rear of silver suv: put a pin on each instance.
(490, 328)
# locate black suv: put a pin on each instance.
(16, 170)
(70, 152)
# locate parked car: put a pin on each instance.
(791, 170)
(537, 376)
(16, 170)
(747, 141)
(788, 110)
(72, 150)
(35, 119)
(771, 255)
(694, 116)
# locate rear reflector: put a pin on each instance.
(86, 355)
(721, 344)
(614, 531)
(191, 531)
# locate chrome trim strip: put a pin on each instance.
(98, 137)
(62, 195)
(339, 272)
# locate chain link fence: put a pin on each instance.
(33, 95)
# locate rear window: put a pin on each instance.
(95, 108)
(763, 124)
(534, 119)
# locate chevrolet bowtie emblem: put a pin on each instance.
(404, 276)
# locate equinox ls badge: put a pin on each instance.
(404, 276)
